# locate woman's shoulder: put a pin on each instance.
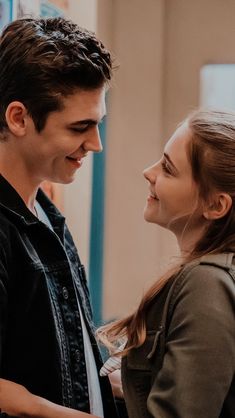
(211, 276)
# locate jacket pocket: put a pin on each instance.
(140, 358)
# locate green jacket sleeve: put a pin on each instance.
(199, 362)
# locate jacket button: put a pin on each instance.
(65, 293)
(77, 355)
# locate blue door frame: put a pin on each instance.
(97, 230)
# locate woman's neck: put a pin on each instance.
(187, 240)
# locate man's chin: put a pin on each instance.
(65, 181)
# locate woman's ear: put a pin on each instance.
(16, 115)
(219, 208)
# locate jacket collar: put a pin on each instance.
(11, 201)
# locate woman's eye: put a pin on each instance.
(165, 168)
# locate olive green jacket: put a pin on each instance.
(186, 366)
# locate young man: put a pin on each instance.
(53, 77)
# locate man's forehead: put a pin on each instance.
(82, 105)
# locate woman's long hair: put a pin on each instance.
(211, 153)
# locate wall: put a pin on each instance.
(134, 137)
(197, 33)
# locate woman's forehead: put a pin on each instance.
(177, 147)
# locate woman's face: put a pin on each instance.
(173, 196)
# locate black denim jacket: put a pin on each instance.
(41, 277)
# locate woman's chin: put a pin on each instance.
(149, 218)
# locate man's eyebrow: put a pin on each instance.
(84, 122)
(167, 157)
(89, 122)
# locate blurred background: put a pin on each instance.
(173, 56)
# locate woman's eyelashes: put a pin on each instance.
(165, 167)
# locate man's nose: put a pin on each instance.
(93, 142)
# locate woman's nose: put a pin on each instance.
(150, 173)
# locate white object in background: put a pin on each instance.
(217, 86)
(25, 8)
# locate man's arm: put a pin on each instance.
(17, 401)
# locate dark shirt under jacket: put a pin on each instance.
(41, 343)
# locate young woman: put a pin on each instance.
(179, 358)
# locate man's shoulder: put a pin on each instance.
(5, 220)
(9, 230)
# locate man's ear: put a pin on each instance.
(16, 115)
(219, 208)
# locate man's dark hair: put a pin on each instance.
(44, 60)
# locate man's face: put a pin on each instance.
(57, 151)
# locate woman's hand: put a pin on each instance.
(116, 383)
